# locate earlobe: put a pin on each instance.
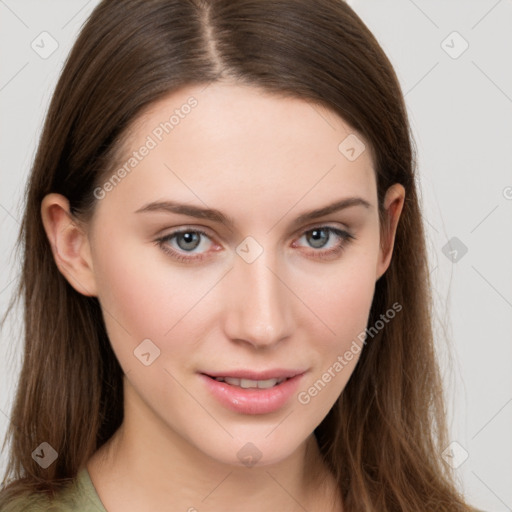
(69, 243)
(393, 204)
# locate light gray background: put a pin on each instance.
(460, 109)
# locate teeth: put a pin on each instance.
(247, 383)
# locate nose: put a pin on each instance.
(259, 303)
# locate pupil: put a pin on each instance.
(316, 238)
(189, 239)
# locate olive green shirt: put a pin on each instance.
(80, 496)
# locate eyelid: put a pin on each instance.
(343, 234)
(207, 232)
(322, 224)
(183, 228)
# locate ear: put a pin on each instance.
(393, 204)
(69, 243)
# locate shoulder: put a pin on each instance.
(79, 495)
(30, 503)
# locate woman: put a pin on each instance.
(192, 342)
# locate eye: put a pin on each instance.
(186, 240)
(181, 244)
(318, 237)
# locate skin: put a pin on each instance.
(263, 160)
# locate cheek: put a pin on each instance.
(342, 306)
(341, 300)
(140, 297)
(144, 296)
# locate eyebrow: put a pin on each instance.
(217, 216)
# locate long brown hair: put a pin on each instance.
(384, 436)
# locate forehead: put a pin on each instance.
(224, 140)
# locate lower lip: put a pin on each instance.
(252, 401)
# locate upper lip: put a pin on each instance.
(274, 373)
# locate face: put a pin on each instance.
(248, 287)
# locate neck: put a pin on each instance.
(147, 466)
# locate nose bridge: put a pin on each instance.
(259, 305)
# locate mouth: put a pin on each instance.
(250, 383)
(250, 392)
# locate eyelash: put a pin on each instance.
(345, 236)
